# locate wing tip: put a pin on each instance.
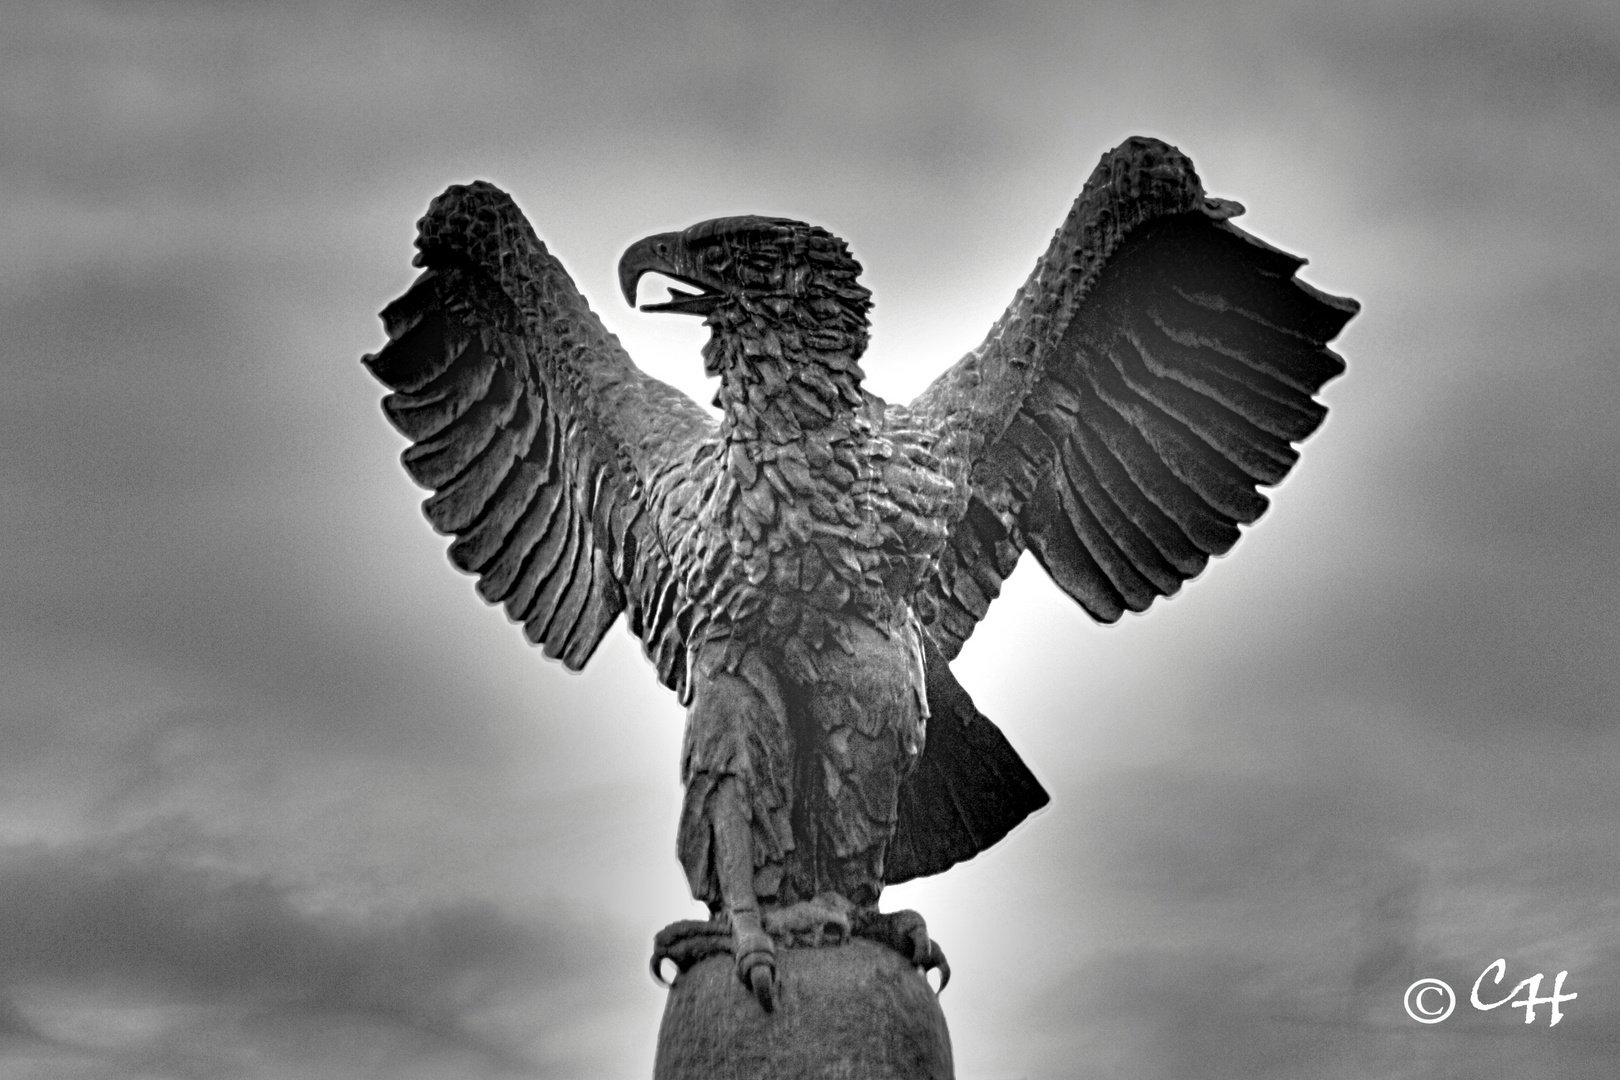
(1146, 168)
(1344, 308)
(1286, 263)
(1222, 209)
(460, 213)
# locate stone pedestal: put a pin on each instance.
(855, 1011)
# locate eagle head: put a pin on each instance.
(760, 271)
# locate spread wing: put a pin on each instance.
(553, 460)
(1151, 374)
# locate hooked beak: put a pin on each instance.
(666, 254)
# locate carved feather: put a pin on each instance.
(547, 451)
(1150, 375)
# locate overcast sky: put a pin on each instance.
(281, 798)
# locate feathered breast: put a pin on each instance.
(826, 514)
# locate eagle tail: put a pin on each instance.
(969, 790)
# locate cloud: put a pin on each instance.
(15, 1030)
(183, 502)
(1479, 125)
(1166, 1015)
(1509, 60)
(93, 915)
(150, 930)
(1268, 925)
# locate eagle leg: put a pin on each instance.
(734, 869)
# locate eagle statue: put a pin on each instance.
(801, 570)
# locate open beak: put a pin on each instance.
(667, 254)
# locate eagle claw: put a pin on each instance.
(762, 981)
(756, 964)
(684, 943)
(907, 934)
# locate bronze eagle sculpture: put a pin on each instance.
(801, 570)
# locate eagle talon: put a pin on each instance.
(761, 980)
(936, 959)
(756, 965)
(907, 934)
(684, 943)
